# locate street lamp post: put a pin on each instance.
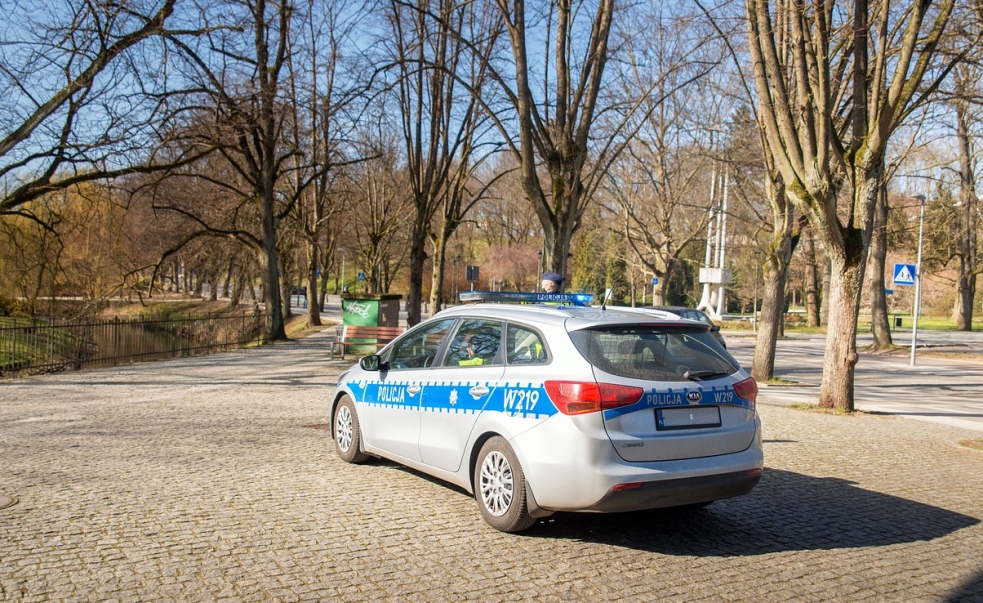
(456, 298)
(754, 309)
(342, 250)
(918, 277)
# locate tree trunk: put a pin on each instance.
(418, 256)
(227, 283)
(811, 278)
(313, 305)
(268, 259)
(875, 270)
(824, 292)
(774, 277)
(286, 287)
(659, 296)
(841, 355)
(962, 311)
(199, 284)
(848, 258)
(235, 295)
(322, 297)
(439, 261)
(774, 274)
(785, 235)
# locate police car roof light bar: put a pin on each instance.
(573, 299)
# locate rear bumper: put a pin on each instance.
(572, 466)
(676, 492)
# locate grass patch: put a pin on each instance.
(805, 406)
(780, 381)
(926, 322)
(892, 349)
(27, 342)
(173, 310)
(806, 330)
(795, 319)
(297, 328)
(974, 444)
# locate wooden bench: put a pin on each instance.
(359, 336)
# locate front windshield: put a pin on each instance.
(655, 353)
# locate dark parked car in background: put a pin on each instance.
(694, 314)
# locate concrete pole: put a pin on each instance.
(721, 249)
(705, 298)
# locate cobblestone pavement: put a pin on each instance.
(204, 480)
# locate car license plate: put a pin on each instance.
(689, 417)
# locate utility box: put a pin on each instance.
(380, 310)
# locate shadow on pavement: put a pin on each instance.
(786, 512)
(972, 590)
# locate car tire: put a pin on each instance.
(500, 487)
(347, 436)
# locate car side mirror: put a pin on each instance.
(370, 363)
(715, 328)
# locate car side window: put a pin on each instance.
(525, 346)
(476, 343)
(419, 348)
(700, 316)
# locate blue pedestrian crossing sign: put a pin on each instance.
(904, 274)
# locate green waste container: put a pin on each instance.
(370, 310)
(366, 310)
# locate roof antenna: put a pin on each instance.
(607, 297)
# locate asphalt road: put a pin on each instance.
(945, 390)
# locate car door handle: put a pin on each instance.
(413, 389)
(478, 391)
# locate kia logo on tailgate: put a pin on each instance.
(694, 397)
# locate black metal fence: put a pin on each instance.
(33, 346)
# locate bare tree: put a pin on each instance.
(330, 80)
(876, 263)
(380, 206)
(784, 228)
(838, 61)
(244, 78)
(441, 95)
(558, 116)
(556, 130)
(82, 104)
(966, 98)
(785, 234)
(660, 182)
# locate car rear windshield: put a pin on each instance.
(655, 353)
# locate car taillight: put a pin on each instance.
(747, 390)
(580, 397)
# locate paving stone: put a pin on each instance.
(199, 480)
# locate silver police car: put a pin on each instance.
(536, 409)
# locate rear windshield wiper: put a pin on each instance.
(699, 375)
